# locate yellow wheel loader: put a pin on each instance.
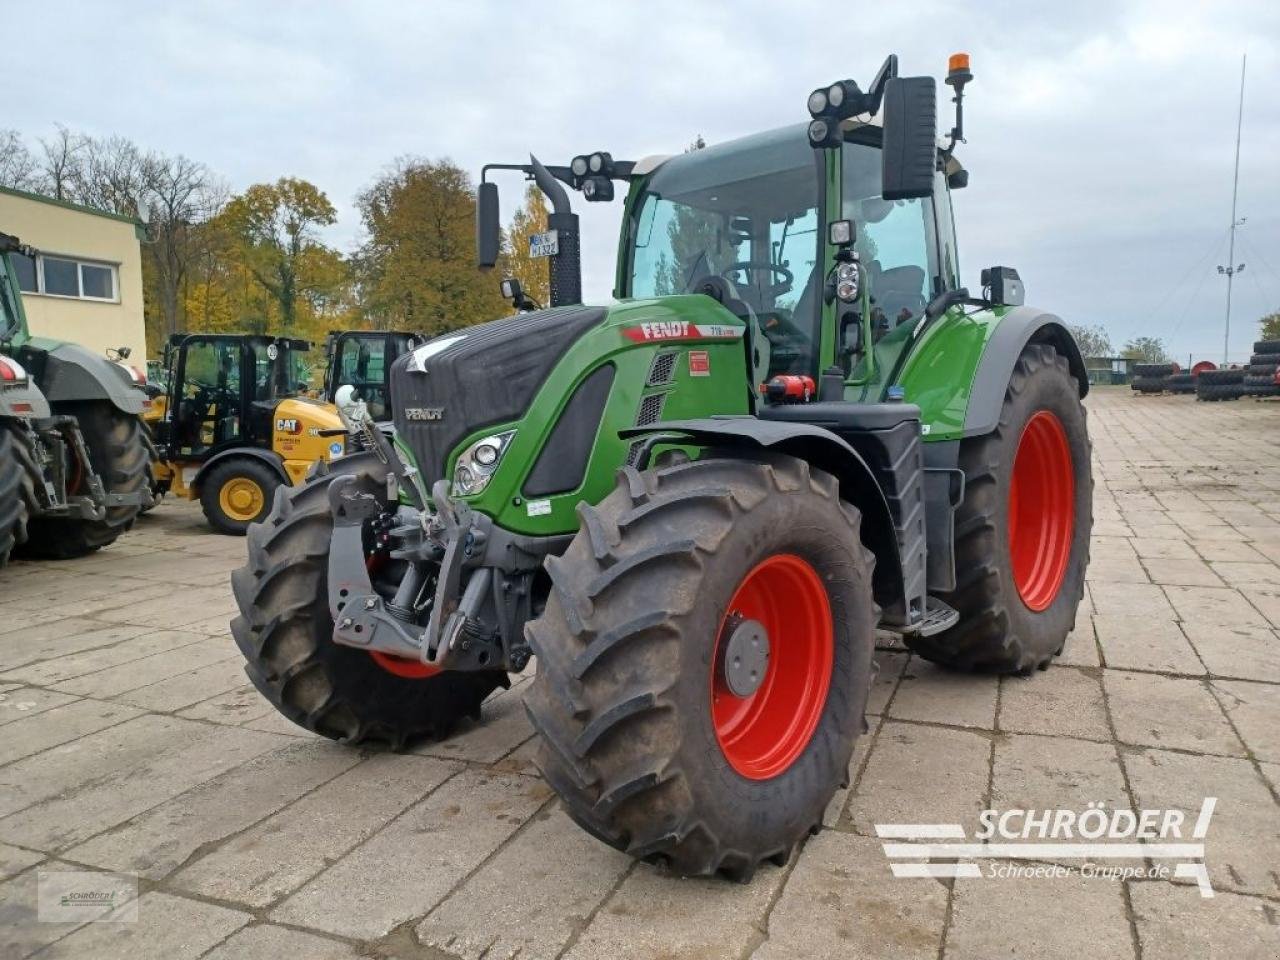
(236, 424)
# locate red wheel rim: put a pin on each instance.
(763, 734)
(403, 666)
(1041, 510)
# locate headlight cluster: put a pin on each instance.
(477, 463)
(847, 282)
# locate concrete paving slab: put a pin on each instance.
(1230, 650)
(169, 756)
(1142, 643)
(503, 726)
(49, 672)
(1065, 703)
(1214, 605)
(1038, 920)
(161, 840)
(116, 680)
(174, 928)
(21, 703)
(1242, 845)
(13, 860)
(279, 855)
(1081, 648)
(58, 638)
(428, 850)
(267, 942)
(1170, 712)
(921, 774)
(1254, 710)
(62, 724)
(655, 916)
(550, 879)
(841, 901)
(1176, 923)
(174, 693)
(237, 706)
(178, 609)
(891, 664)
(933, 694)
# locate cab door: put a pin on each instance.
(207, 396)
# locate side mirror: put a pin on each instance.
(909, 153)
(488, 229)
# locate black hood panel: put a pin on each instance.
(488, 376)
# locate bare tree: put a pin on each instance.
(17, 165)
(63, 156)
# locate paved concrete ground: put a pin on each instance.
(130, 742)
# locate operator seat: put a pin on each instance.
(899, 292)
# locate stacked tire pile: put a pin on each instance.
(1220, 385)
(1180, 383)
(1260, 378)
(1152, 377)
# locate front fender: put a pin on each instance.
(68, 371)
(959, 370)
(266, 456)
(24, 401)
(820, 448)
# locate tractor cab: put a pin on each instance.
(362, 359)
(237, 416)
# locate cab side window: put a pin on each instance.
(209, 406)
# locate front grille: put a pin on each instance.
(651, 409)
(662, 370)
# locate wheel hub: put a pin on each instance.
(744, 657)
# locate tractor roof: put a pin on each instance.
(782, 145)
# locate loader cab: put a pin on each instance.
(362, 359)
(223, 390)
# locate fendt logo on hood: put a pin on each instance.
(424, 413)
(680, 330)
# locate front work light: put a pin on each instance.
(824, 133)
(818, 103)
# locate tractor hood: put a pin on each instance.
(460, 382)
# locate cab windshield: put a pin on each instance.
(745, 211)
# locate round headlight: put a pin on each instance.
(463, 479)
(846, 290)
(835, 95)
(847, 271)
(486, 455)
(579, 166)
(817, 102)
(818, 131)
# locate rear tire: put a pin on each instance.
(16, 492)
(285, 632)
(118, 455)
(1015, 620)
(236, 493)
(647, 747)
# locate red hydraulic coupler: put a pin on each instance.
(788, 388)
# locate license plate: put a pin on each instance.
(544, 244)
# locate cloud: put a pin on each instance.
(1100, 134)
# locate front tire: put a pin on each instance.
(1022, 532)
(286, 634)
(237, 493)
(641, 731)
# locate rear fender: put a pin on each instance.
(70, 372)
(821, 449)
(25, 401)
(1020, 327)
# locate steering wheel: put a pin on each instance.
(787, 277)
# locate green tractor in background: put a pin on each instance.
(73, 456)
(696, 505)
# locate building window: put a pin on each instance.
(25, 269)
(64, 277)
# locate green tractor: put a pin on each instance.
(695, 506)
(73, 457)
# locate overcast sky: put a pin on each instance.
(1101, 134)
